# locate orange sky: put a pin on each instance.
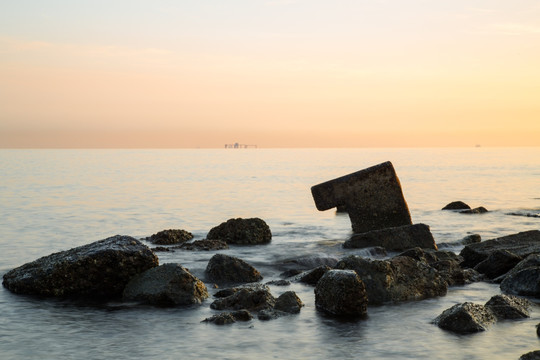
(272, 73)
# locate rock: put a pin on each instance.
(166, 285)
(497, 263)
(229, 269)
(478, 210)
(466, 318)
(242, 232)
(252, 299)
(99, 270)
(471, 239)
(401, 278)
(522, 244)
(229, 317)
(373, 198)
(341, 293)
(279, 283)
(204, 245)
(456, 205)
(509, 307)
(289, 302)
(308, 262)
(533, 355)
(230, 291)
(524, 278)
(170, 237)
(162, 249)
(312, 277)
(394, 239)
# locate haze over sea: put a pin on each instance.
(53, 200)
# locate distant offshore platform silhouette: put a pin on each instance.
(239, 146)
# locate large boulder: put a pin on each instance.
(394, 239)
(521, 244)
(229, 269)
(99, 270)
(341, 293)
(401, 278)
(242, 232)
(466, 318)
(166, 285)
(170, 237)
(524, 278)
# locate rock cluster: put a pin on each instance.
(469, 318)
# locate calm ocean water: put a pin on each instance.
(52, 200)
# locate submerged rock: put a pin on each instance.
(170, 237)
(99, 270)
(229, 269)
(373, 198)
(240, 231)
(456, 205)
(522, 244)
(229, 317)
(478, 210)
(341, 293)
(204, 245)
(166, 285)
(394, 239)
(465, 318)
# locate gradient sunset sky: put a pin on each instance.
(276, 73)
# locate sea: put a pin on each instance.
(56, 199)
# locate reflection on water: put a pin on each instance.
(53, 200)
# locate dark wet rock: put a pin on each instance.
(420, 254)
(341, 293)
(99, 270)
(270, 314)
(170, 237)
(204, 245)
(313, 276)
(230, 291)
(279, 283)
(229, 317)
(498, 263)
(289, 302)
(394, 239)
(290, 273)
(162, 249)
(456, 205)
(309, 262)
(509, 307)
(478, 210)
(401, 278)
(166, 285)
(466, 318)
(533, 355)
(229, 269)
(522, 244)
(373, 198)
(240, 231)
(471, 239)
(252, 299)
(524, 278)
(525, 214)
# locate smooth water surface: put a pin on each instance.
(52, 200)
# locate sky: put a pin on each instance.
(271, 73)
